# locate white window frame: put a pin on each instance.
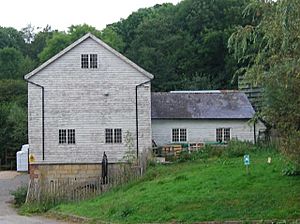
(91, 64)
(179, 135)
(66, 136)
(115, 138)
(223, 130)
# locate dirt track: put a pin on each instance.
(9, 181)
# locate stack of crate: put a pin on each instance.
(196, 146)
(171, 150)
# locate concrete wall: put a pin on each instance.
(202, 130)
(89, 101)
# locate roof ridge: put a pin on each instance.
(77, 42)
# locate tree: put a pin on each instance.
(11, 38)
(269, 49)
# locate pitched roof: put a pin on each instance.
(201, 105)
(70, 47)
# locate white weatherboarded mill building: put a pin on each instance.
(82, 102)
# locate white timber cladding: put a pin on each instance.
(89, 101)
(202, 130)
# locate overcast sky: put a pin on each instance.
(60, 14)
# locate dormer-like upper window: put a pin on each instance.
(89, 61)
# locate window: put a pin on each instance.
(118, 136)
(93, 61)
(226, 134)
(71, 136)
(84, 61)
(108, 135)
(223, 134)
(182, 135)
(89, 61)
(62, 136)
(113, 135)
(219, 134)
(179, 135)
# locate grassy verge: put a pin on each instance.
(207, 189)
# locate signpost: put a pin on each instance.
(247, 162)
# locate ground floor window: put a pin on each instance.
(66, 136)
(179, 135)
(223, 134)
(113, 135)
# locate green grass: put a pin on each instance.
(202, 190)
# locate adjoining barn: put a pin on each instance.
(202, 116)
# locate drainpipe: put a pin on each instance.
(137, 116)
(43, 116)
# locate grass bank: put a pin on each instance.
(201, 190)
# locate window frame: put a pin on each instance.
(223, 135)
(62, 136)
(177, 135)
(93, 61)
(113, 136)
(71, 137)
(84, 61)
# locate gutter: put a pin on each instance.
(137, 116)
(43, 115)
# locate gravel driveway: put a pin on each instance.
(9, 181)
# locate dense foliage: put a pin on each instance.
(269, 50)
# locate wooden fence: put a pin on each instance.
(75, 189)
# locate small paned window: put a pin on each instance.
(108, 135)
(93, 61)
(113, 135)
(219, 134)
(62, 137)
(182, 135)
(117, 135)
(223, 134)
(71, 136)
(226, 134)
(175, 135)
(179, 135)
(84, 61)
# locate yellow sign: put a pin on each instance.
(31, 158)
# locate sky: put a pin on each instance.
(60, 14)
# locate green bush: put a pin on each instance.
(290, 170)
(20, 195)
(237, 148)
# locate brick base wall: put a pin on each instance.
(64, 171)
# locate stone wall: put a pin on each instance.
(67, 171)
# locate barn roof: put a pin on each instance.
(201, 105)
(77, 42)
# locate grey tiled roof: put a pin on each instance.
(201, 105)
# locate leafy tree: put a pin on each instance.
(269, 49)
(11, 38)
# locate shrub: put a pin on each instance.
(237, 148)
(19, 195)
(290, 170)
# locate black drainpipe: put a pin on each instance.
(43, 116)
(137, 116)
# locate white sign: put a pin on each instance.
(246, 160)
